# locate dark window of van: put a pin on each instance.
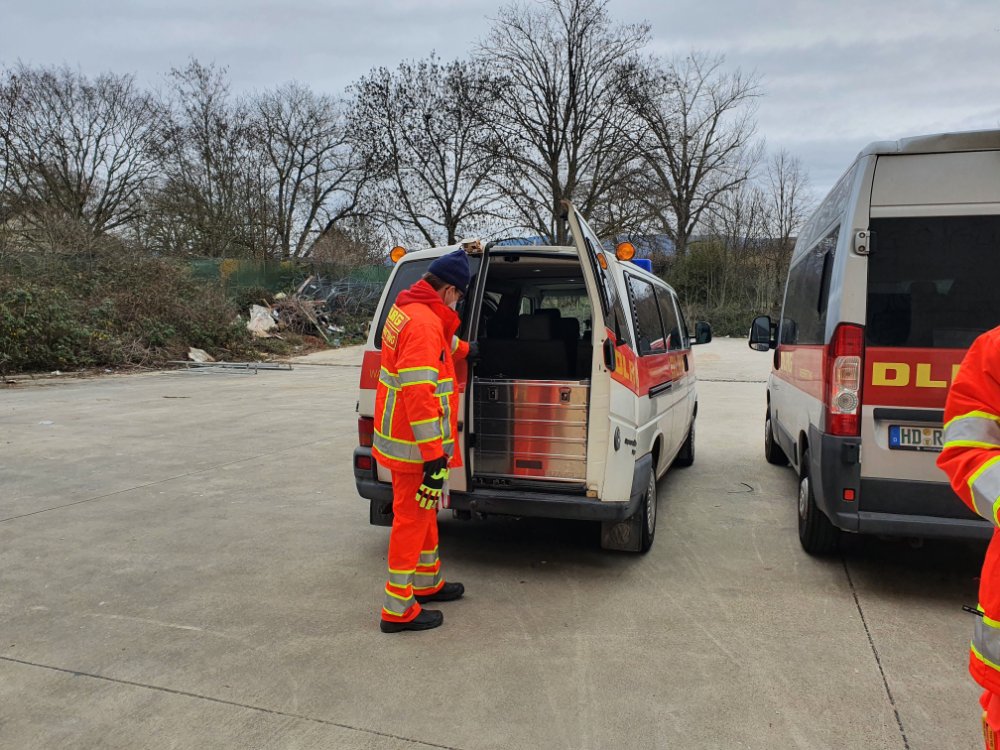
(408, 274)
(932, 281)
(646, 316)
(668, 314)
(803, 319)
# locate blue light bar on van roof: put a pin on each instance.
(644, 263)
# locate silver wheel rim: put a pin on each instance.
(651, 504)
(803, 496)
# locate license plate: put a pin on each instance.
(913, 438)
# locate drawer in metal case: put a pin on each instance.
(531, 429)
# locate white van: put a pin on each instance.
(890, 281)
(583, 394)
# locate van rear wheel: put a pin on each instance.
(772, 451)
(817, 535)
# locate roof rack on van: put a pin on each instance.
(971, 140)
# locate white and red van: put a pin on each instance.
(891, 280)
(583, 394)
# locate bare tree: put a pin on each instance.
(76, 150)
(789, 197)
(699, 139)
(439, 165)
(559, 118)
(314, 174)
(211, 199)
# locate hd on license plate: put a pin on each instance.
(914, 438)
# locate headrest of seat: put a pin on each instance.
(552, 312)
(534, 328)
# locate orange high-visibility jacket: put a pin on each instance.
(971, 459)
(416, 399)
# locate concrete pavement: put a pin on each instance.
(184, 563)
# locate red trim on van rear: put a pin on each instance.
(370, 366)
(918, 378)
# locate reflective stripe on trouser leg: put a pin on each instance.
(428, 579)
(410, 526)
(399, 595)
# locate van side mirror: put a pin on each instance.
(763, 336)
(609, 354)
(702, 333)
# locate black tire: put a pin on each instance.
(685, 456)
(647, 512)
(772, 451)
(817, 535)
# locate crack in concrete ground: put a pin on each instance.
(878, 659)
(223, 701)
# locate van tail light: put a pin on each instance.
(842, 380)
(366, 431)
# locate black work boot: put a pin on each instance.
(426, 620)
(447, 593)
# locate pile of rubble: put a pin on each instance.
(337, 311)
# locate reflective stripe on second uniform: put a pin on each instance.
(986, 641)
(985, 487)
(977, 429)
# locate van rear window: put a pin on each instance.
(932, 281)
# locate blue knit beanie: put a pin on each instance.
(453, 269)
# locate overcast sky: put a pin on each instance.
(836, 73)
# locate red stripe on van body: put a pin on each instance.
(919, 378)
(802, 367)
(640, 374)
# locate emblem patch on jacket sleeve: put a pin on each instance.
(394, 323)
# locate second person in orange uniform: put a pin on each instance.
(416, 420)
(971, 459)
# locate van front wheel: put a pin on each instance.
(817, 535)
(648, 511)
(685, 456)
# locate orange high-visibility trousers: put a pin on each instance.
(414, 564)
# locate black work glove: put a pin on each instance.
(432, 487)
(473, 354)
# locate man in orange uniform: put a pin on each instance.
(416, 420)
(971, 458)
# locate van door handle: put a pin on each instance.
(657, 390)
(686, 367)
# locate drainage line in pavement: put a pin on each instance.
(224, 702)
(878, 660)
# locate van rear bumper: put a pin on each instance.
(524, 503)
(889, 507)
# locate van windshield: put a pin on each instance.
(932, 281)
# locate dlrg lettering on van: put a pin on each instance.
(583, 394)
(890, 281)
